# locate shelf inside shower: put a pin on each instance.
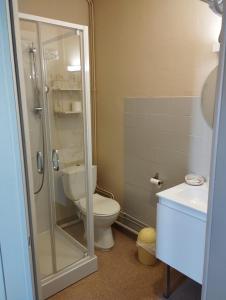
(67, 253)
(67, 89)
(67, 112)
(66, 85)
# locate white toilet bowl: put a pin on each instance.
(105, 210)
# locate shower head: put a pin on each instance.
(215, 5)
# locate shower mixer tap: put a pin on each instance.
(33, 50)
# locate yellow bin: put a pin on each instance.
(146, 246)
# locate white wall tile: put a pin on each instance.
(165, 135)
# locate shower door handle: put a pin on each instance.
(39, 160)
(55, 160)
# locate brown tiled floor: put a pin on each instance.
(120, 276)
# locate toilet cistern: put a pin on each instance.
(105, 210)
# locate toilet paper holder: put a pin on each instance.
(156, 180)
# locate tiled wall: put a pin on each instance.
(165, 135)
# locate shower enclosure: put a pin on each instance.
(55, 67)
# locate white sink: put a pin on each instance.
(195, 197)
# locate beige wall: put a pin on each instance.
(75, 11)
(146, 48)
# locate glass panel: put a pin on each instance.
(63, 79)
(32, 77)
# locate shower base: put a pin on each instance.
(67, 252)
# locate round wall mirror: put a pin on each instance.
(208, 96)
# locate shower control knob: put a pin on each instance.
(46, 89)
(33, 50)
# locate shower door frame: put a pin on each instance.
(87, 265)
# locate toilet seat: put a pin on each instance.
(102, 206)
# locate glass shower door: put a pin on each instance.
(57, 92)
(31, 55)
(61, 48)
(55, 60)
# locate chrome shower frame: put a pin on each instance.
(88, 264)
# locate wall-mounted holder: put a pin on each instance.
(156, 180)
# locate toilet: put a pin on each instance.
(105, 210)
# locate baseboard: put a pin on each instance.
(126, 230)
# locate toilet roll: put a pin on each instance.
(76, 106)
(156, 182)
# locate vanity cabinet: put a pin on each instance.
(181, 238)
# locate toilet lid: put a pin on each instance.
(101, 205)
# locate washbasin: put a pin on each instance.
(195, 197)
